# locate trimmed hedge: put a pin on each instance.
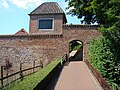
(32, 81)
(98, 76)
(105, 60)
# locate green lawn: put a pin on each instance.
(29, 82)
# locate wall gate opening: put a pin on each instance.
(76, 50)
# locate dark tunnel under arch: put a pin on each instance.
(75, 50)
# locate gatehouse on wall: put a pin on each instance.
(48, 38)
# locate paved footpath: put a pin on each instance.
(75, 76)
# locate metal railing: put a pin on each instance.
(64, 59)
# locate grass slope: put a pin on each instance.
(29, 82)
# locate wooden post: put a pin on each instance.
(7, 78)
(61, 60)
(67, 57)
(33, 66)
(41, 64)
(21, 72)
(1, 77)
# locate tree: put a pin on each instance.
(104, 51)
(104, 12)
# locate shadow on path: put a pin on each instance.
(75, 76)
(51, 85)
(78, 56)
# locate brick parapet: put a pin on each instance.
(80, 27)
(15, 37)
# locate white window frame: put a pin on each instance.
(46, 29)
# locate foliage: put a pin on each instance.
(7, 65)
(105, 60)
(105, 12)
(104, 51)
(29, 82)
(75, 46)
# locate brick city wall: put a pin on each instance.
(83, 33)
(27, 48)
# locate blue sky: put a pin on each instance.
(14, 14)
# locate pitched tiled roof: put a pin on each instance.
(21, 32)
(48, 8)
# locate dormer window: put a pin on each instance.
(46, 24)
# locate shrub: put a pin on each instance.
(104, 60)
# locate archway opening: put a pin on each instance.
(76, 50)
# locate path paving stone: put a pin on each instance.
(75, 76)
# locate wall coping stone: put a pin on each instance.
(29, 36)
(79, 27)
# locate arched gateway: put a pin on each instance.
(48, 38)
(76, 50)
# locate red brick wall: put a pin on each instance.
(36, 46)
(58, 21)
(83, 33)
(27, 48)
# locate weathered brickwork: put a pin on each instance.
(43, 47)
(25, 50)
(58, 21)
(83, 33)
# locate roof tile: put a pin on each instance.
(21, 32)
(48, 8)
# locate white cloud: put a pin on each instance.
(4, 3)
(26, 3)
(21, 3)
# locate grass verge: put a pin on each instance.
(31, 81)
